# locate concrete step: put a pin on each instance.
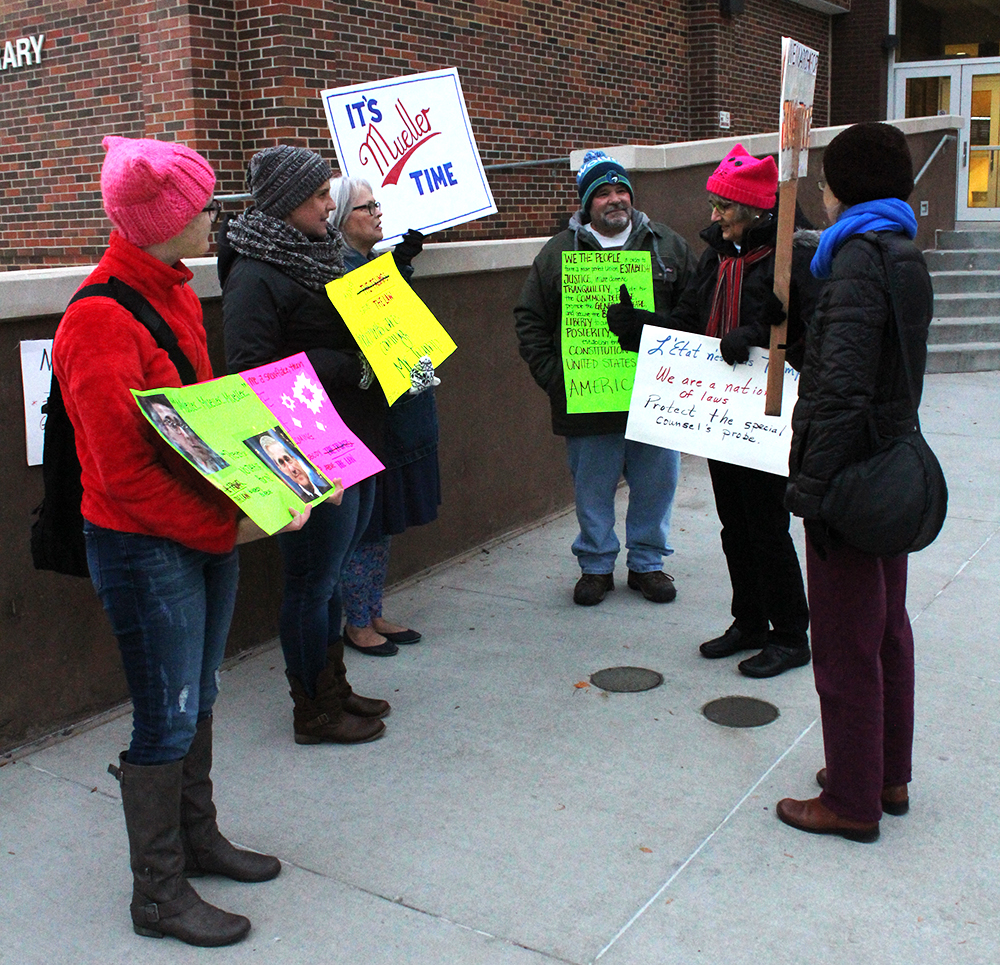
(965, 282)
(963, 259)
(973, 305)
(967, 239)
(952, 331)
(963, 357)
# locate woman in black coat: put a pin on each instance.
(853, 382)
(731, 297)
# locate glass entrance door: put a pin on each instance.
(979, 160)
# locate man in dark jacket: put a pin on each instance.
(599, 454)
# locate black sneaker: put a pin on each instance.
(591, 587)
(655, 585)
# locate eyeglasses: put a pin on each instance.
(214, 209)
(721, 206)
(821, 185)
(372, 207)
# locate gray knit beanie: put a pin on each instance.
(280, 178)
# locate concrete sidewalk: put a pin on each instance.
(510, 817)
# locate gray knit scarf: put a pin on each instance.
(310, 263)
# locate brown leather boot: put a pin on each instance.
(206, 850)
(353, 703)
(323, 718)
(163, 901)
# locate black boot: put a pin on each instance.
(206, 851)
(163, 901)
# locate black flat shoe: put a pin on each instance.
(734, 640)
(387, 649)
(403, 636)
(773, 660)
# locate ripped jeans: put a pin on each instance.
(170, 608)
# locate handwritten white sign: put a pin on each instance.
(36, 377)
(687, 398)
(799, 65)
(411, 139)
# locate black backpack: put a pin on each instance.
(57, 541)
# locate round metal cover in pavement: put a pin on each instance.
(740, 712)
(626, 680)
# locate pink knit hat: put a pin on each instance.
(152, 189)
(748, 180)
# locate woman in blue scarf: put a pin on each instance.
(853, 392)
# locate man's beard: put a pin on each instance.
(613, 220)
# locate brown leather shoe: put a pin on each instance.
(815, 818)
(366, 706)
(591, 587)
(656, 585)
(895, 797)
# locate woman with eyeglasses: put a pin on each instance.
(160, 537)
(275, 261)
(408, 493)
(732, 298)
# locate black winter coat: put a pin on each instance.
(267, 316)
(853, 378)
(693, 309)
(538, 313)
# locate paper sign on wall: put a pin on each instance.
(686, 397)
(597, 373)
(390, 323)
(269, 438)
(36, 377)
(411, 139)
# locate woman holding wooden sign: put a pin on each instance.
(275, 260)
(732, 298)
(408, 493)
(160, 538)
(862, 378)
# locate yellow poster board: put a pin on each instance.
(393, 327)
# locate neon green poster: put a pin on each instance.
(597, 373)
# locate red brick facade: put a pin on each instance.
(228, 77)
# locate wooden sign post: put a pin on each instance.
(798, 83)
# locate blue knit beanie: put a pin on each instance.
(599, 168)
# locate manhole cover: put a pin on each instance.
(740, 712)
(626, 680)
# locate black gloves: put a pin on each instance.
(626, 321)
(408, 249)
(823, 538)
(735, 345)
(771, 312)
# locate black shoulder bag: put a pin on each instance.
(57, 541)
(896, 500)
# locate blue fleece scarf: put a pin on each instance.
(887, 214)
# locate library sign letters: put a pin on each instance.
(22, 52)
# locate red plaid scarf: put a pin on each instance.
(725, 313)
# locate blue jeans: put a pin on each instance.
(597, 464)
(313, 559)
(170, 608)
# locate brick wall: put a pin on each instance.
(228, 77)
(858, 53)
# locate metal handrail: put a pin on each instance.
(944, 140)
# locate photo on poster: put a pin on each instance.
(172, 426)
(277, 451)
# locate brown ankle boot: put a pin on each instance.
(323, 718)
(353, 703)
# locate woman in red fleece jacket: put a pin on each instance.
(160, 538)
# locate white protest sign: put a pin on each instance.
(411, 139)
(36, 377)
(799, 65)
(687, 398)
